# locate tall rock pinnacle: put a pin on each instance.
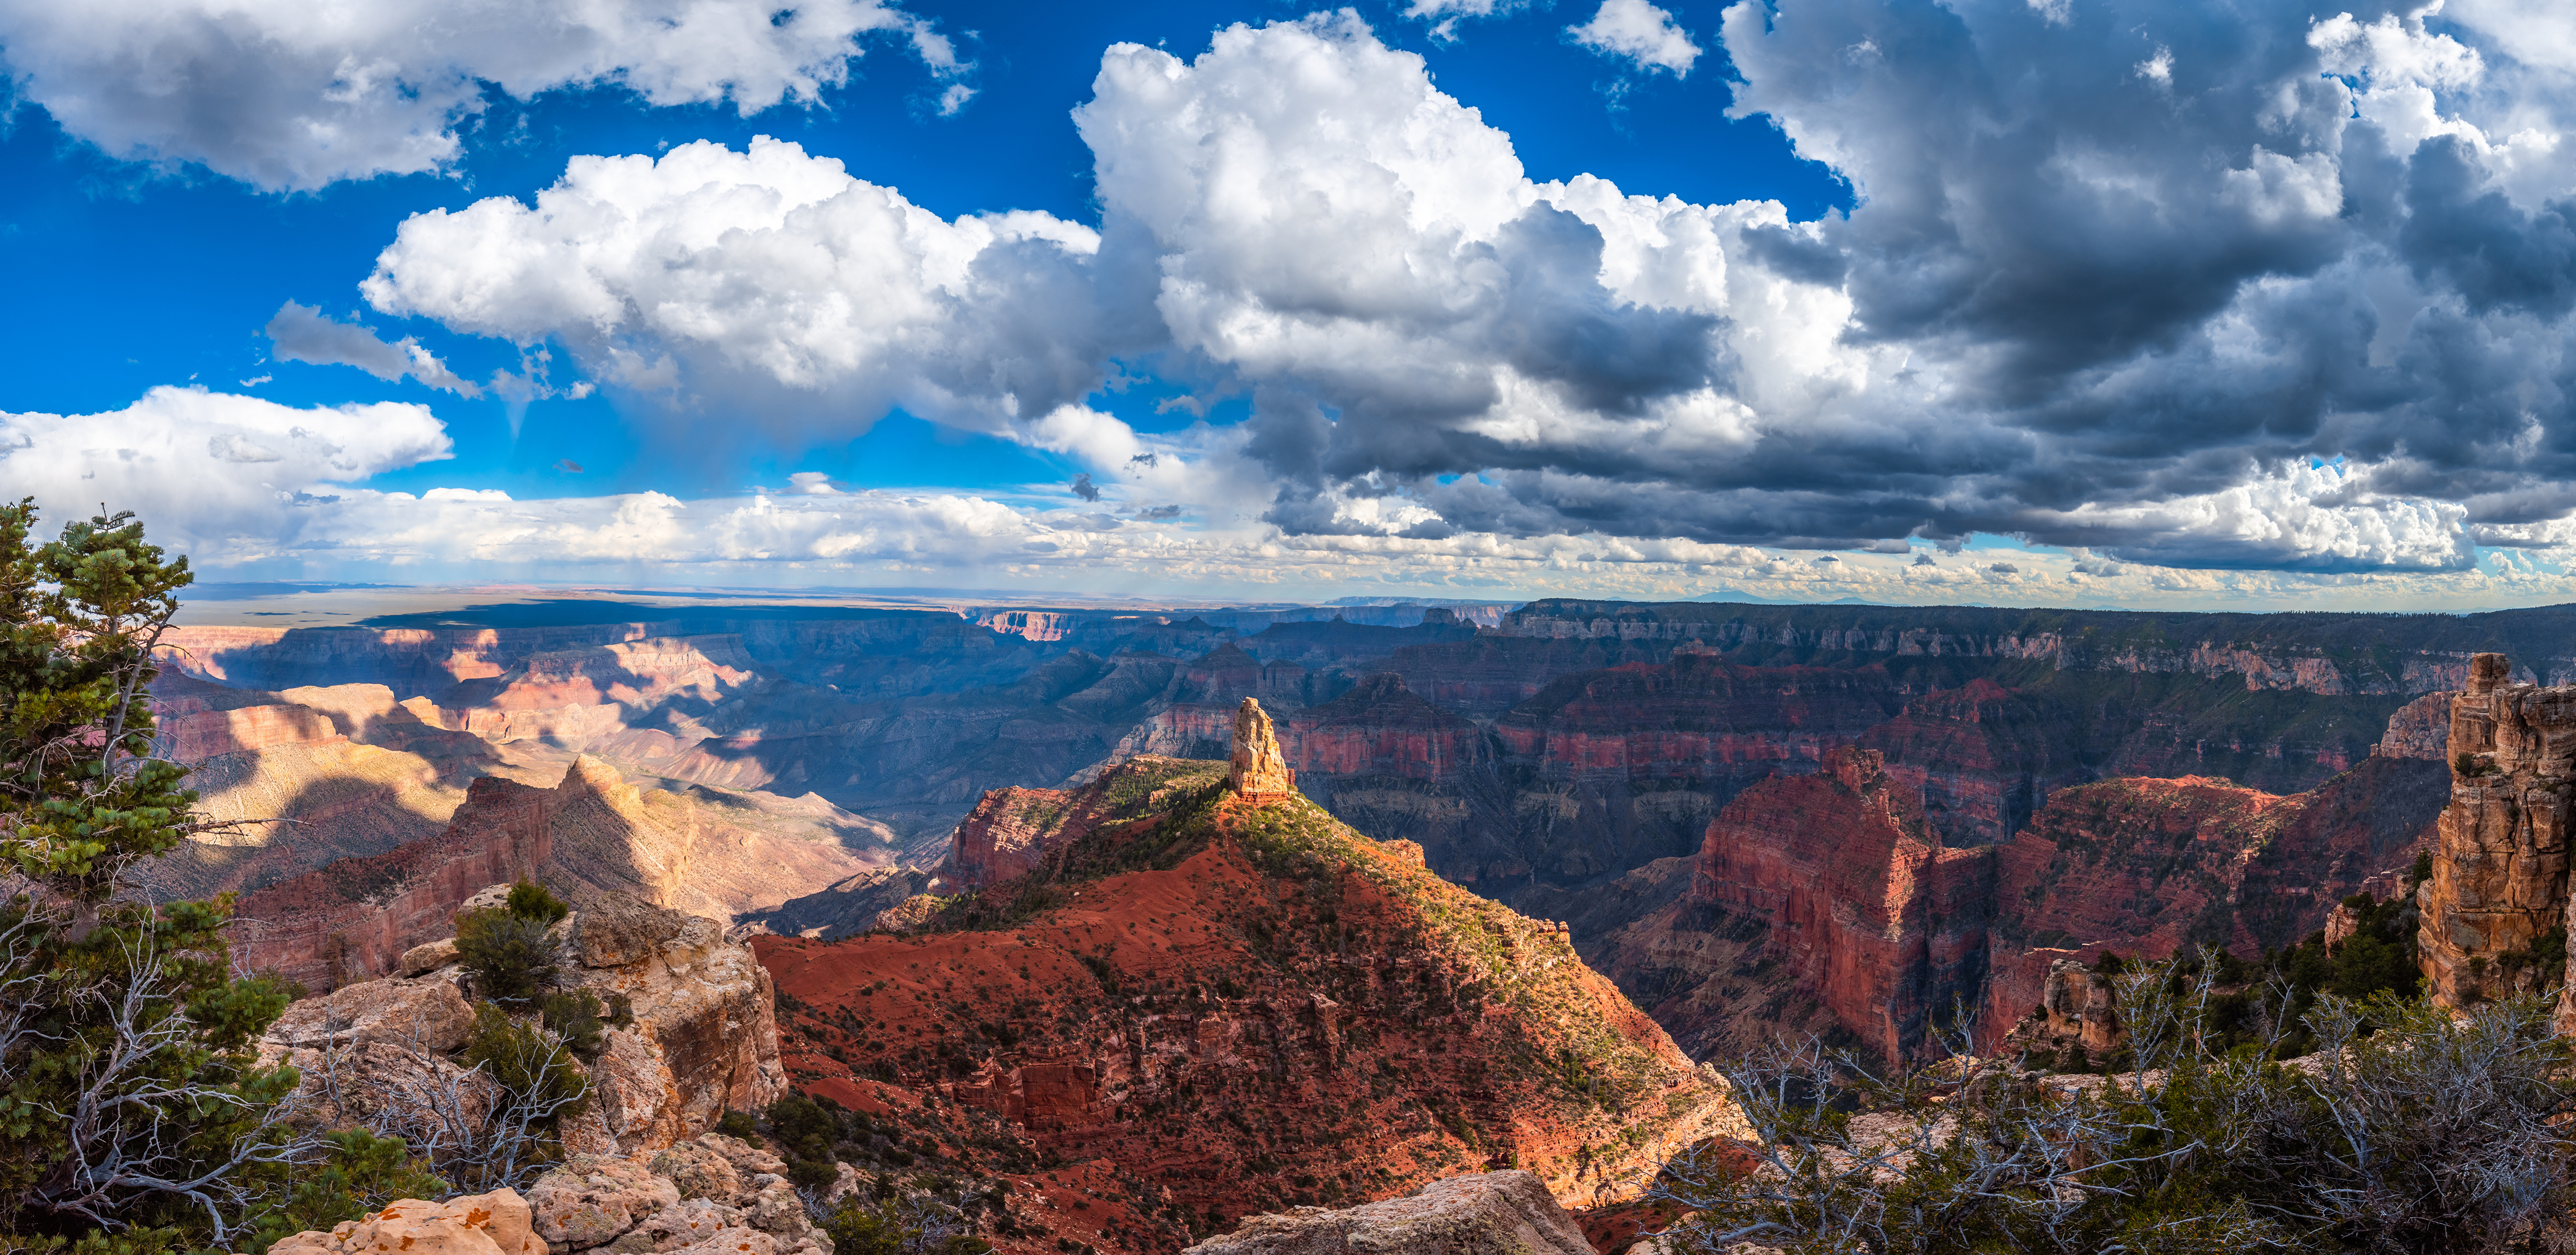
(1259, 770)
(2500, 859)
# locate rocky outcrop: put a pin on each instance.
(1491, 1213)
(704, 1037)
(1248, 1005)
(2500, 859)
(710, 1195)
(1258, 771)
(693, 1030)
(497, 1223)
(429, 1013)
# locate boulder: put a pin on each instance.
(488, 898)
(387, 1084)
(426, 1013)
(1492, 1213)
(427, 957)
(617, 930)
(712, 1194)
(717, 1167)
(480, 1224)
(592, 1200)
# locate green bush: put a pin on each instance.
(534, 1068)
(530, 900)
(802, 1128)
(739, 1124)
(575, 1017)
(2414, 1129)
(360, 1173)
(513, 959)
(906, 1224)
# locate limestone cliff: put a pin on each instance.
(2500, 857)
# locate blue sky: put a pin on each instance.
(2178, 304)
(86, 236)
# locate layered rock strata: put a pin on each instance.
(1826, 903)
(2500, 857)
(1258, 771)
(591, 835)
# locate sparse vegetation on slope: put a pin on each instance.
(1250, 1006)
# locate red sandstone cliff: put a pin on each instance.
(1868, 913)
(1818, 903)
(1248, 1006)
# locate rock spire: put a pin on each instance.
(1259, 770)
(2500, 854)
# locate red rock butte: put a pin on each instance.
(1258, 771)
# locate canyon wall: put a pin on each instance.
(590, 837)
(2500, 859)
(1831, 903)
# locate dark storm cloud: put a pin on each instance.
(2171, 282)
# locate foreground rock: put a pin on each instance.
(1493, 1213)
(693, 1034)
(712, 1195)
(480, 1224)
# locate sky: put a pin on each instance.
(2050, 302)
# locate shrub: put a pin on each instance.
(512, 957)
(575, 1017)
(908, 1223)
(533, 1067)
(801, 1127)
(739, 1124)
(530, 900)
(2412, 1130)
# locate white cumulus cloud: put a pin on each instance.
(1639, 32)
(214, 473)
(768, 279)
(296, 94)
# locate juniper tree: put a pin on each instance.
(131, 1099)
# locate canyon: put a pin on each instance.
(1612, 766)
